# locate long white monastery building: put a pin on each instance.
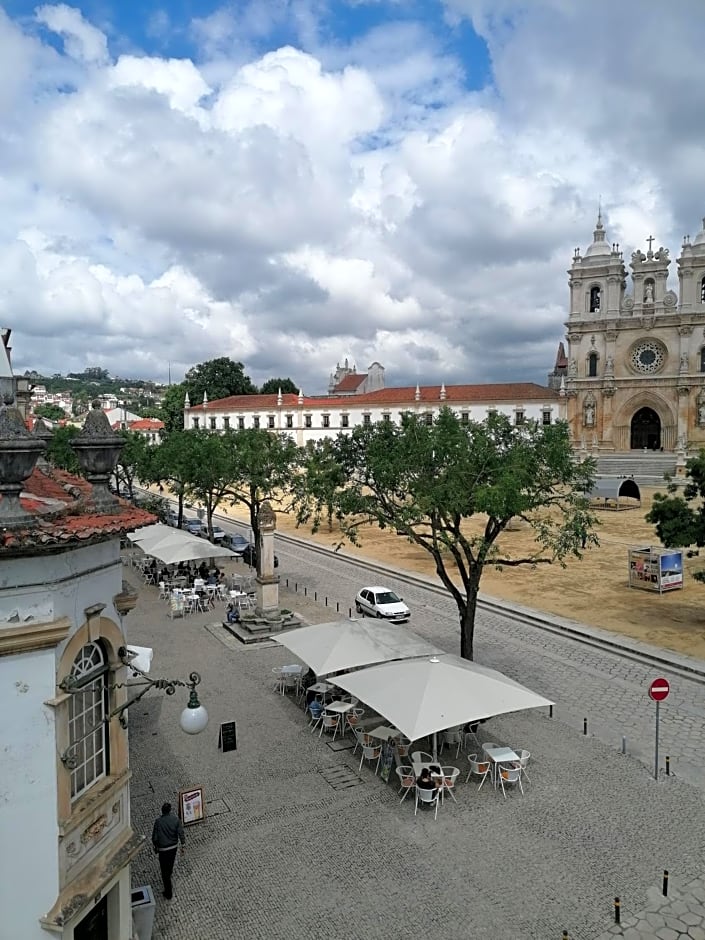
(308, 418)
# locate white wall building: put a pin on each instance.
(313, 418)
(64, 775)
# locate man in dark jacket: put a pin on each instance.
(168, 831)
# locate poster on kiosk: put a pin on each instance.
(655, 569)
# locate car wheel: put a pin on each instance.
(378, 615)
(358, 608)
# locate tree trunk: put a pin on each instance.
(467, 620)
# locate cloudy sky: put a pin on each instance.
(290, 182)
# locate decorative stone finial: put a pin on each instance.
(301, 396)
(279, 397)
(97, 448)
(417, 393)
(443, 392)
(19, 451)
(267, 517)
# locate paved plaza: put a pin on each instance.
(298, 843)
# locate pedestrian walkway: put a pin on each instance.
(286, 853)
(679, 915)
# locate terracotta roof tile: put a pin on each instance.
(511, 392)
(350, 382)
(64, 512)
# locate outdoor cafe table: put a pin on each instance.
(500, 755)
(321, 687)
(295, 669)
(339, 707)
(385, 732)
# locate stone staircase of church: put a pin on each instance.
(647, 469)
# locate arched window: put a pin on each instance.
(702, 291)
(702, 359)
(595, 298)
(88, 728)
(592, 365)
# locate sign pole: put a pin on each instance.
(658, 691)
(658, 706)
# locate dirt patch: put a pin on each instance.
(592, 590)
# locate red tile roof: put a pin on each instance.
(64, 512)
(512, 392)
(350, 383)
(146, 424)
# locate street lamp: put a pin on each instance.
(193, 720)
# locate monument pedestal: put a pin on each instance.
(267, 592)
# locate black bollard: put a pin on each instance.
(616, 911)
(668, 766)
(305, 592)
(584, 725)
(665, 883)
(349, 613)
(337, 607)
(326, 602)
(287, 582)
(550, 711)
(315, 596)
(296, 587)
(565, 935)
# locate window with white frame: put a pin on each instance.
(428, 418)
(465, 417)
(195, 424)
(213, 426)
(546, 416)
(519, 416)
(326, 421)
(367, 420)
(345, 421)
(270, 421)
(255, 421)
(88, 709)
(386, 417)
(307, 421)
(290, 421)
(226, 423)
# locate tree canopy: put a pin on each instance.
(680, 519)
(272, 387)
(452, 488)
(59, 453)
(51, 412)
(218, 378)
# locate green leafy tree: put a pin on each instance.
(264, 467)
(51, 412)
(126, 471)
(323, 475)
(272, 387)
(169, 463)
(59, 452)
(171, 409)
(452, 489)
(680, 519)
(218, 378)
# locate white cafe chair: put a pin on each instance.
(450, 775)
(407, 780)
(330, 722)
(371, 752)
(430, 797)
(478, 769)
(509, 775)
(523, 761)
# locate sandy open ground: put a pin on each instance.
(592, 590)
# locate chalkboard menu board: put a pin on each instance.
(227, 736)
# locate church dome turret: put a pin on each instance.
(599, 245)
(700, 237)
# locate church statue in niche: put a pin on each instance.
(589, 412)
(648, 292)
(594, 300)
(701, 409)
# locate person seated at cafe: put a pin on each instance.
(203, 570)
(314, 707)
(426, 782)
(212, 578)
(232, 612)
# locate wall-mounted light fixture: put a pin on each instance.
(194, 718)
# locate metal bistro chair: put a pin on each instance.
(407, 780)
(453, 737)
(509, 775)
(450, 775)
(371, 752)
(429, 797)
(479, 769)
(330, 722)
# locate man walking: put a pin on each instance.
(168, 831)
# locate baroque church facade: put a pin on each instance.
(634, 373)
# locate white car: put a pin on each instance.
(383, 603)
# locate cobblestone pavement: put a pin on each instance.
(284, 854)
(680, 914)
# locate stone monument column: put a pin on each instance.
(267, 583)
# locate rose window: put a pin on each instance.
(648, 357)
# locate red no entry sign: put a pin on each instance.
(659, 689)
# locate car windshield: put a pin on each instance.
(387, 597)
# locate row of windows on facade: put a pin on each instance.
(593, 358)
(519, 418)
(595, 295)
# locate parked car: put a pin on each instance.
(383, 603)
(172, 518)
(236, 543)
(218, 534)
(249, 555)
(193, 526)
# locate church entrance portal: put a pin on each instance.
(646, 430)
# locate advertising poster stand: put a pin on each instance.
(656, 569)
